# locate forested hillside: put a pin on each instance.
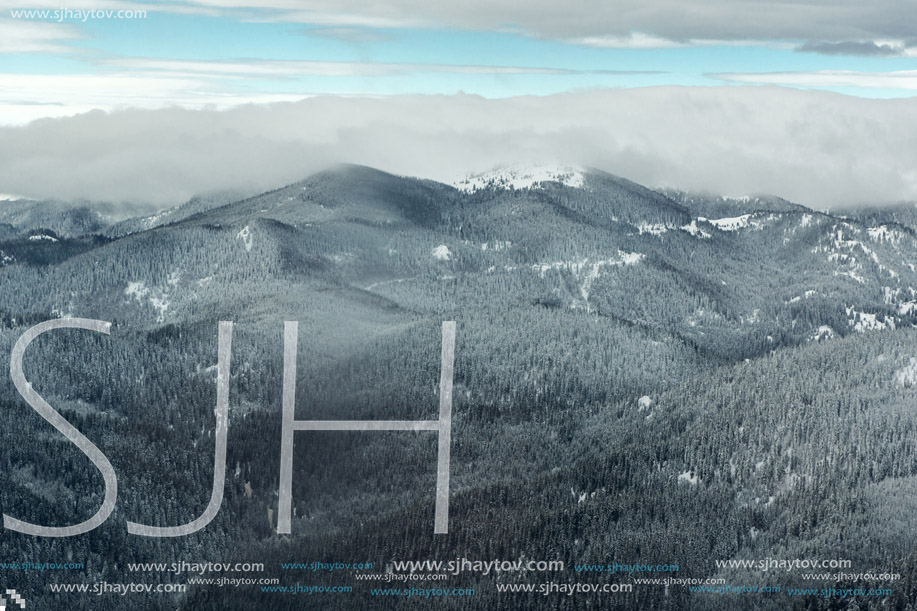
(640, 376)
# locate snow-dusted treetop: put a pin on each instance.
(522, 176)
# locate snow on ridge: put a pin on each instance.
(731, 223)
(41, 236)
(755, 220)
(883, 233)
(522, 177)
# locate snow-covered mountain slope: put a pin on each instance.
(522, 177)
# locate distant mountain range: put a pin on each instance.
(563, 234)
(641, 377)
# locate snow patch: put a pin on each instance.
(883, 233)
(152, 221)
(851, 274)
(442, 253)
(907, 376)
(732, 223)
(696, 231)
(522, 177)
(247, 239)
(701, 315)
(754, 221)
(805, 295)
(864, 321)
(41, 236)
(652, 228)
(822, 333)
(688, 477)
(157, 299)
(587, 271)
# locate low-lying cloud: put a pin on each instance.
(816, 148)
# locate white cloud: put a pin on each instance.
(35, 37)
(287, 68)
(639, 40)
(899, 79)
(26, 97)
(159, 83)
(814, 147)
(631, 40)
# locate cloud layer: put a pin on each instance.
(877, 27)
(816, 148)
(673, 20)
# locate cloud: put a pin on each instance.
(35, 37)
(158, 83)
(291, 68)
(814, 147)
(602, 23)
(866, 49)
(27, 97)
(905, 80)
(640, 40)
(631, 40)
(849, 26)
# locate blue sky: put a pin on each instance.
(216, 53)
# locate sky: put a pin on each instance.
(154, 102)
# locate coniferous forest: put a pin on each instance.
(641, 377)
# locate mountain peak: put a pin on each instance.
(522, 176)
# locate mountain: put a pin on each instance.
(193, 206)
(641, 377)
(69, 219)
